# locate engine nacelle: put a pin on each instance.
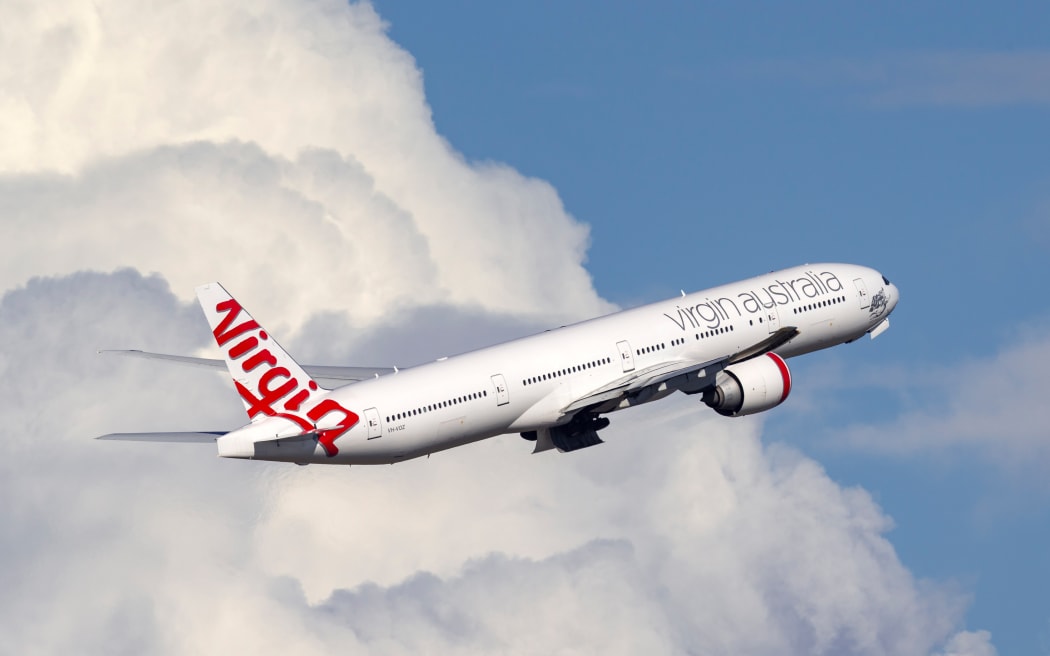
(751, 386)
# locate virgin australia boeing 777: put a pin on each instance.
(726, 344)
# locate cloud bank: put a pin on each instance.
(994, 405)
(286, 148)
(683, 534)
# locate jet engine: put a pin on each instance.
(750, 386)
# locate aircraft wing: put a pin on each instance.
(653, 376)
(688, 375)
(327, 375)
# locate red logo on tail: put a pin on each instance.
(276, 383)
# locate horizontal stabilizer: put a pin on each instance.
(328, 375)
(208, 436)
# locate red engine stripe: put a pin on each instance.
(784, 373)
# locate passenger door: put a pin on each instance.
(626, 356)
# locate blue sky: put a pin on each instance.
(703, 142)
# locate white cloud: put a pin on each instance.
(969, 643)
(995, 405)
(682, 534)
(285, 148)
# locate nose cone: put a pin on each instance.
(894, 296)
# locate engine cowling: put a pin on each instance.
(751, 386)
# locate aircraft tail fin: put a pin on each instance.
(268, 380)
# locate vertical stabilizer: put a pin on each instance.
(269, 381)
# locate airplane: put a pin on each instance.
(727, 344)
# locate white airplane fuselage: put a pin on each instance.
(524, 386)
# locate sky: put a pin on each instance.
(386, 183)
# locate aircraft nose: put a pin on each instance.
(893, 295)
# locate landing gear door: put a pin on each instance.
(375, 429)
(500, 385)
(862, 291)
(626, 357)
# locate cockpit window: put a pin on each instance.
(885, 280)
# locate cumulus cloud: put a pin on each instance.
(682, 534)
(285, 148)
